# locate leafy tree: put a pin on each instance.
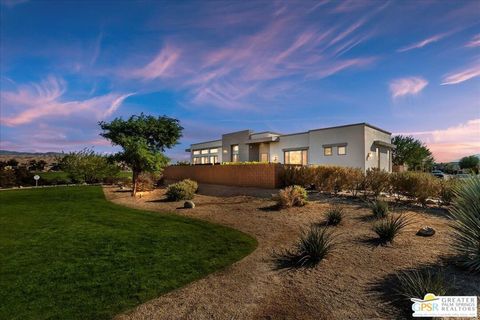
(412, 152)
(470, 162)
(143, 140)
(87, 166)
(12, 163)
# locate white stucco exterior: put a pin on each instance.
(357, 145)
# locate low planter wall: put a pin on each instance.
(242, 175)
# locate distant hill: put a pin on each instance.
(28, 154)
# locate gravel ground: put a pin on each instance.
(353, 283)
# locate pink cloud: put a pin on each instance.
(160, 66)
(452, 143)
(464, 75)
(407, 86)
(424, 42)
(474, 42)
(43, 100)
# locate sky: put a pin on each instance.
(409, 67)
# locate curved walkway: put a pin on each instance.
(339, 288)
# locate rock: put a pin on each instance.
(426, 232)
(189, 204)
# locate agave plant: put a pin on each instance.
(416, 284)
(388, 228)
(314, 245)
(466, 222)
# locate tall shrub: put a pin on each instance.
(466, 222)
(377, 181)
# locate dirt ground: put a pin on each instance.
(355, 282)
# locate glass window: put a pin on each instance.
(342, 150)
(213, 159)
(214, 150)
(264, 157)
(296, 157)
(196, 152)
(327, 151)
(196, 160)
(235, 157)
(204, 151)
(235, 148)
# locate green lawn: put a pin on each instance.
(67, 253)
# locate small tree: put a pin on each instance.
(412, 152)
(143, 140)
(470, 162)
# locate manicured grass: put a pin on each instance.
(67, 253)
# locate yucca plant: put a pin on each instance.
(465, 214)
(416, 284)
(379, 209)
(313, 246)
(388, 228)
(334, 216)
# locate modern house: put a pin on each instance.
(358, 145)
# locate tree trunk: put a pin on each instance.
(134, 183)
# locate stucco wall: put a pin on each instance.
(385, 155)
(286, 142)
(239, 138)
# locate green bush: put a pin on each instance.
(379, 209)
(466, 222)
(417, 185)
(183, 190)
(334, 216)
(88, 166)
(7, 178)
(447, 190)
(388, 228)
(416, 284)
(313, 246)
(292, 196)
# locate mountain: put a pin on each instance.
(28, 154)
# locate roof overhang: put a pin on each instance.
(384, 144)
(188, 150)
(262, 140)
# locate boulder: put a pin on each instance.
(426, 232)
(189, 204)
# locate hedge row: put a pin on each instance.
(418, 186)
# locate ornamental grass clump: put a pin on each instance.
(417, 283)
(313, 246)
(466, 222)
(183, 190)
(389, 228)
(380, 209)
(293, 196)
(334, 216)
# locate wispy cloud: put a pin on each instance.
(452, 143)
(407, 86)
(468, 73)
(424, 42)
(46, 99)
(159, 67)
(474, 42)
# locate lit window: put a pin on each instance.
(213, 159)
(196, 152)
(264, 157)
(327, 151)
(196, 160)
(235, 157)
(342, 150)
(205, 151)
(296, 157)
(235, 148)
(214, 150)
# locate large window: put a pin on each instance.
(196, 160)
(327, 151)
(296, 157)
(235, 157)
(205, 151)
(213, 159)
(214, 150)
(195, 152)
(342, 150)
(264, 157)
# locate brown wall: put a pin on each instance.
(245, 175)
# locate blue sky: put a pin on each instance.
(410, 67)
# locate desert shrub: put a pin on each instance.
(298, 175)
(146, 181)
(7, 178)
(447, 190)
(313, 246)
(418, 185)
(23, 176)
(354, 180)
(183, 190)
(379, 209)
(388, 228)
(416, 284)
(466, 222)
(334, 216)
(377, 181)
(292, 196)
